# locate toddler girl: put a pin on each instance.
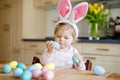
(65, 36)
(66, 33)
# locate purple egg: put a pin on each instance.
(18, 72)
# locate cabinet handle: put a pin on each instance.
(38, 53)
(33, 45)
(48, 3)
(100, 49)
(90, 57)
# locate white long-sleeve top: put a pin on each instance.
(62, 58)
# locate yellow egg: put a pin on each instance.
(13, 64)
(38, 65)
(50, 66)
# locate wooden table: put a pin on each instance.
(68, 74)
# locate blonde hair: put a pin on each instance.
(65, 26)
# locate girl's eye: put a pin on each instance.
(58, 36)
(66, 37)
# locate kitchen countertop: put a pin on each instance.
(102, 40)
(68, 74)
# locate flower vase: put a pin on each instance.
(94, 32)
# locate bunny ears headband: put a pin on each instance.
(66, 16)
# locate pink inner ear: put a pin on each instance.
(64, 8)
(80, 11)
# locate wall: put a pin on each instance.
(82, 25)
(37, 22)
(34, 21)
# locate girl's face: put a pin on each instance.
(64, 38)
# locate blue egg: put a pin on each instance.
(56, 45)
(18, 72)
(98, 70)
(6, 68)
(22, 66)
(32, 67)
(26, 75)
(75, 59)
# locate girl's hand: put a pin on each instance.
(50, 46)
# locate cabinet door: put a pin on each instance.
(5, 32)
(32, 49)
(110, 63)
(10, 30)
(29, 54)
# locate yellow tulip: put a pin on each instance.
(99, 9)
(95, 11)
(102, 6)
(95, 5)
(90, 6)
(107, 11)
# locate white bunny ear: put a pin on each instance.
(79, 12)
(64, 8)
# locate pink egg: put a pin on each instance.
(48, 75)
(44, 69)
(36, 73)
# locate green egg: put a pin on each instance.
(22, 66)
(75, 59)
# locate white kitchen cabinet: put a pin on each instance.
(78, 47)
(48, 3)
(32, 49)
(106, 55)
(44, 3)
(10, 30)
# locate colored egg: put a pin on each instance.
(75, 59)
(44, 69)
(18, 72)
(6, 68)
(49, 75)
(98, 70)
(38, 65)
(13, 64)
(32, 67)
(56, 45)
(36, 73)
(50, 66)
(21, 65)
(26, 75)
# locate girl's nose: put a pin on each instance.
(61, 39)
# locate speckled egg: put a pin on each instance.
(36, 73)
(6, 68)
(50, 66)
(56, 45)
(21, 65)
(18, 72)
(98, 70)
(75, 59)
(48, 75)
(26, 75)
(32, 67)
(38, 65)
(13, 64)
